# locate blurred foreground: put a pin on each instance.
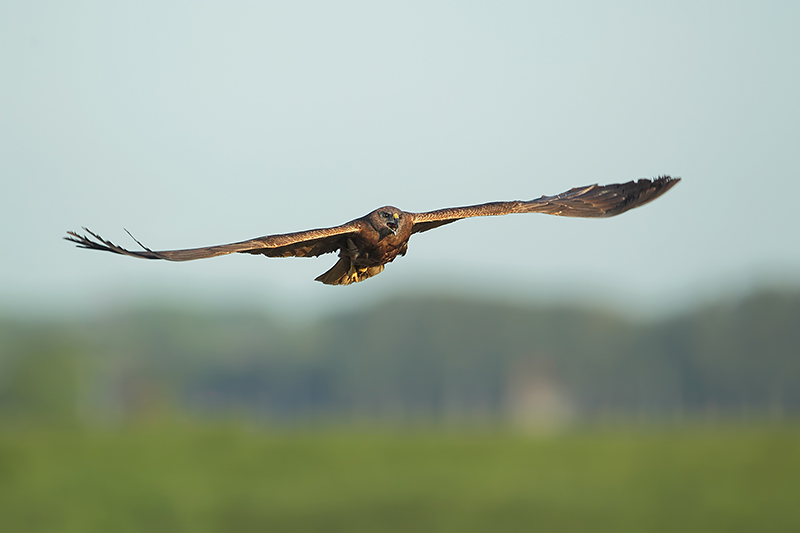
(423, 415)
(183, 478)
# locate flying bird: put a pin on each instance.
(367, 244)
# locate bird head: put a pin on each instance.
(387, 220)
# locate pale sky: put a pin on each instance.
(200, 123)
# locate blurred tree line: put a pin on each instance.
(436, 359)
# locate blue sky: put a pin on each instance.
(198, 123)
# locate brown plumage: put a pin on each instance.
(366, 244)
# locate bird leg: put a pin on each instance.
(352, 273)
(352, 253)
(345, 271)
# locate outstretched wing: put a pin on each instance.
(300, 244)
(593, 201)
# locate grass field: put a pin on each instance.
(199, 479)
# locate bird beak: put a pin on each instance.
(393, 225)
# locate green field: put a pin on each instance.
(203, 478)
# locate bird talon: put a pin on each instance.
(352, 273)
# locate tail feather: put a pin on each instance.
(339, 274)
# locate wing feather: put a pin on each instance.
(593, 201)
(299, 244)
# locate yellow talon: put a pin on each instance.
(353, 273)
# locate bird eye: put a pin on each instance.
(384, 214)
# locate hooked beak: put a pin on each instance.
(392, 224)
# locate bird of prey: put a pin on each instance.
(366, 244)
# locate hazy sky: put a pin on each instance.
(198, 123)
